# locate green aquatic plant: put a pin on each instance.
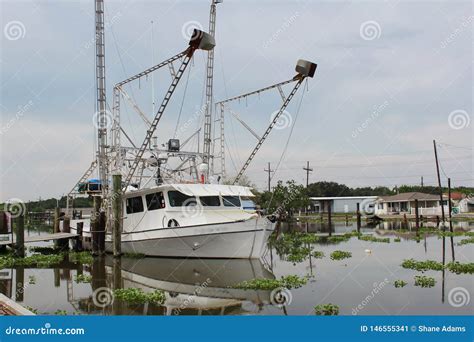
(84, 258)
(459, 268)
(289, 282)
(44, 250)
(137, 296)
(466, 241)
(374, 239)
(397, 239)
(317, 254)
(424, 281)
(422, 266)
(339, 255)
(399, 283)
(82, 278)
(326, 310)
(33, 310)
(60, 312)
(35, 260)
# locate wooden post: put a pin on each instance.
(417, 216)
(101, 232)
(3, 227)
(56, 221)
(450, 206)
(64, 243)
(439, 183)
(405, 221)
(19, 283)
(347, 220)
(95, 225)
(117, 214)
(79, 244)
(329, 218)
(20, 236)
(358, 217)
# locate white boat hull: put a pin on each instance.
(241, 240)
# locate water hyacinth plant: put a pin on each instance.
(458, 268)
(326, 310)
(339, 255)
(424, 281)
(374, 239)
(82, 278)
(422, 266)
(137, 296)
(399, 283)
(289, 282)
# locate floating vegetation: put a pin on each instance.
(60, 312)
(32, 280)
(374, 239)
(33, 310)
(466, 241)
(35, 260)
(317, 254)
(339, 255)
(424, 281)
(82, 278)
(458, 268)
(137, 296)
(422, 266)
(399, 283)
(289, 282)
(326, 310)
(84, 258)
(397, 239)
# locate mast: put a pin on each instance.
(209, 89)
(100, 94)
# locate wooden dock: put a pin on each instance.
(45, 237)
(9, 307)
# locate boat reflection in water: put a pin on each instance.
(191, 286)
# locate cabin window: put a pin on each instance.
(231, 201)
(248, 203)
(178, 199)
(134, 205)
(210, 201)
(155, 201)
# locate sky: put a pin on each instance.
(391, 77)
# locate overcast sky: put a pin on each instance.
(392, 76)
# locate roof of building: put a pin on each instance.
(456, 196)
(410, 196)
(342, 198)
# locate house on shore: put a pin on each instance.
(341, 205)
(404, 203)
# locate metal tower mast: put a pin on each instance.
(100, 95)
(209, 88)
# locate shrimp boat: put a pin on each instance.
(174, 201)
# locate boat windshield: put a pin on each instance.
(178, 199)
(210, 201)
(231, 201)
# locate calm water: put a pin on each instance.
(362, 284)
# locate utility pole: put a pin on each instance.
(422, 181)
(269, 170)
(439, 183)
(308, 170)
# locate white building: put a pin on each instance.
(343, 204)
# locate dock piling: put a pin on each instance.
(117, 214)
(358, 217)
(20, 236)
(79, 243)
(417, 216)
